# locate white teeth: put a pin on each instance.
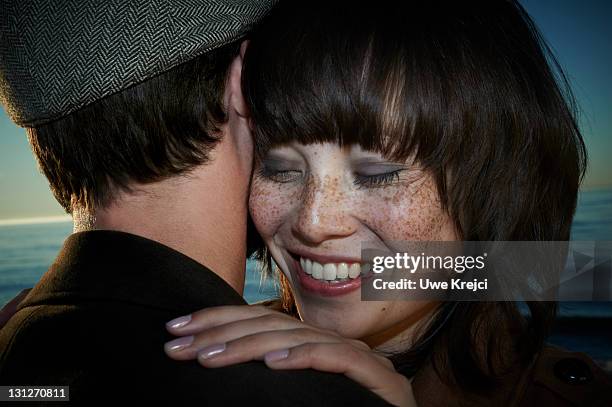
(329, 271)
(317, 270)
(354, 270)
(342, 271)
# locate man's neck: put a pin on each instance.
(202, 214)
(197, 215)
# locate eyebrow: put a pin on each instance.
(271, 159)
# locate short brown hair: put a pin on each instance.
(159, 128)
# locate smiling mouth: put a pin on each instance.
(328, 278)
(330, 271)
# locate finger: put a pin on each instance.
(359, 344)
(209, 317)
(186, 348)
(361, 366)
(254, 347)
(384, 360)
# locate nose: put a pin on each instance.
(325, 213)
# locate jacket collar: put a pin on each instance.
(116, 266)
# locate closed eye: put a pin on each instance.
(280, 176)
(377, 180)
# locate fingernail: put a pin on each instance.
(210, 351)
(178, 343)
(179, 322)
(276, 355)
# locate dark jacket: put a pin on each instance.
(562, 378)
(554, 378)
(96, 322)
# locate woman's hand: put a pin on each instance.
(228, 335)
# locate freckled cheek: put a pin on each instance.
(270, 207)
(404, 215)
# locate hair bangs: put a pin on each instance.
(372, 93)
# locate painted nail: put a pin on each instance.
(276, 355)
(179, 322)
(179, 343)
(210, 351)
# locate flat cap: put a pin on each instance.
(57, 56)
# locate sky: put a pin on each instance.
(579, 32)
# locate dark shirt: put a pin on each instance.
(96, 322)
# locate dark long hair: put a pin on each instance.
(474, 92)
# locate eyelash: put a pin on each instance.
(280, 176)
(378, 180)
(361, 181)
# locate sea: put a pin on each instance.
(27, 250)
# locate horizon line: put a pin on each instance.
(35, 220)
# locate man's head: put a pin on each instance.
(121, 94)
(135, 113)
(157, 129)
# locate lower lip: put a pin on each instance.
(322, 287)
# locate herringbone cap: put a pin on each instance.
(57, 56)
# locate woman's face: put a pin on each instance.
(314, 205)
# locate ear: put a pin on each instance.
(233, 92)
